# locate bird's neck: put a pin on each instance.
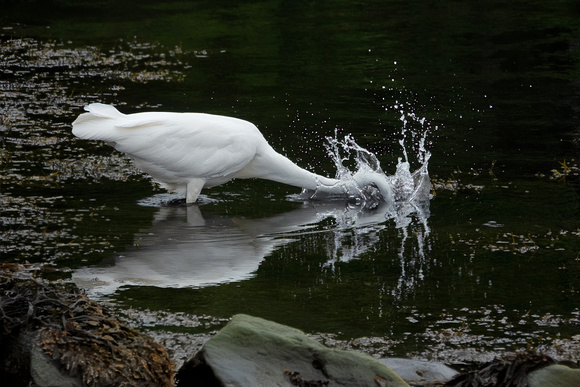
(273, 166)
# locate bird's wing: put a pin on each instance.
(191, 145)
(176, 146)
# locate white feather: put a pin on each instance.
(189, 151)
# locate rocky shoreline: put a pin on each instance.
(52, 334)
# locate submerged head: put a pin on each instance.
(366, 178)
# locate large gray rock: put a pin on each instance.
(417, 371)
(555, 375)
(250, 351)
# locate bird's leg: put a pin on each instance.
(194, 187)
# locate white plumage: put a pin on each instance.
(186, 152)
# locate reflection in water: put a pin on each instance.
(412, 269)
(184, 248)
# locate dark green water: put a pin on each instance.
(494, 266)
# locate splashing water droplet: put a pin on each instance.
(358, 225)
(366, 185)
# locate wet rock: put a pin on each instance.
(511, 370)
(250, 351)
(53, 335)
(554, 376)
(420, 372)
(46, 373)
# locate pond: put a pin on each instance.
(489, 264)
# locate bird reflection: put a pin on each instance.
(188, 246)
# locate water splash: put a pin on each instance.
(346, 152)
(406, 186)
(363, 222)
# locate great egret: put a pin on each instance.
(186, 152)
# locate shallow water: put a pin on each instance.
(489, 264)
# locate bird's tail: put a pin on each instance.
(98, 124)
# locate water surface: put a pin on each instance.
(490, 265)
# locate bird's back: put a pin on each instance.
(175, 147)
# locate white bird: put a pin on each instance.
(186, 152)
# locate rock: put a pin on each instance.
(46, 373)
(511, 370)
(250, 351)
(419, 372)
(556, 375)
(53, 335)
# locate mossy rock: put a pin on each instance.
(556, 375)
(250, 351)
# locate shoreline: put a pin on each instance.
(86, 318)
